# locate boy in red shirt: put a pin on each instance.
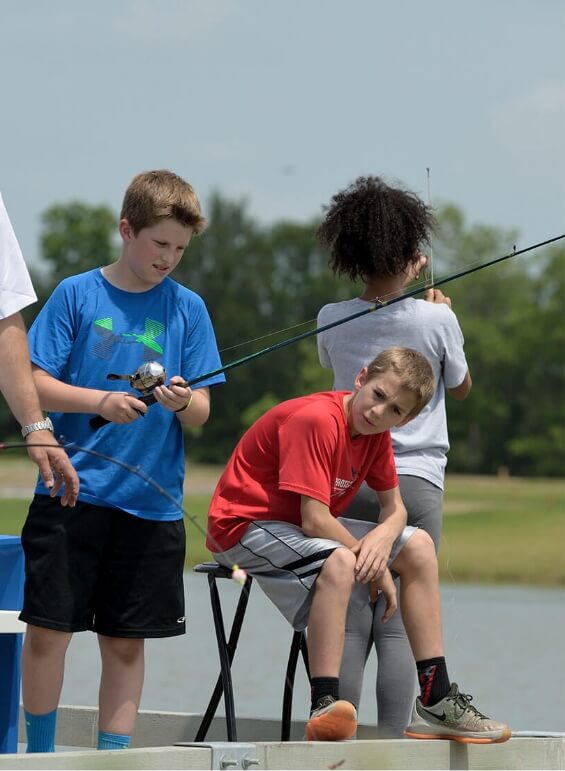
(276, 513)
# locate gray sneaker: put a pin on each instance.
(332, 721)
(454, 717)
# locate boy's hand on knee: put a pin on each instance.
(372, 551)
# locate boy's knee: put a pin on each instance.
(126, 650)
(41, 641)
(422, 544)
(418, 551)
(340, 566)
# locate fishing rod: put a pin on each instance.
(151, 374)
(430, 268)
(379, 303)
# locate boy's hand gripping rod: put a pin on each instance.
(145, 379)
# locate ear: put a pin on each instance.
(361, 378)
(125, 230)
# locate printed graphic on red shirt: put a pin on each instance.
(300, 447)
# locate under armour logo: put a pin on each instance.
(104, 328)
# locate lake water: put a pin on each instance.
(504, 645)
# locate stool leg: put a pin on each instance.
(304, 650)
(298, 645)
(226, 651)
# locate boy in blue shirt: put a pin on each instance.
(115, 565)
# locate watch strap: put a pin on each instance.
(40, 425)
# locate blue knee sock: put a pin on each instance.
(40, 730)
(108, 741)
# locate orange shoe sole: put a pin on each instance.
(336, 725)
(463, 739)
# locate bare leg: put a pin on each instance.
(123, 666)
(43, 665)
(420, 600)
(326, 622)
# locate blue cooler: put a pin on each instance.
(11, 638)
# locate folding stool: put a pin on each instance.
(226, 651)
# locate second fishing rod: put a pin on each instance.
(151, 374)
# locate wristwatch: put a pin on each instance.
(41, 425)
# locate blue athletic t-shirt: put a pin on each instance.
(88, 329)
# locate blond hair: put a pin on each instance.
(156, 195)
(413, 370)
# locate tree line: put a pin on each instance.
(264, 284)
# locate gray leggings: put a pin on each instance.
(396, 669)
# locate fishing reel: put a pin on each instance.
(145, 378)
(150, 375)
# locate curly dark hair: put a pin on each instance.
(373, 229)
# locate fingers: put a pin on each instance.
(437, 296)
(41, 458)
(390, 610)
(368, 569)
(121, 407)
(175, 396)
(64, 474)
(67, 476)
(56, 470)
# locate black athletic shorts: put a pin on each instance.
(98, 568)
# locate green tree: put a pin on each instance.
(75, 238)
(511, 315)
(264, 285)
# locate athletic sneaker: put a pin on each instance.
(454, 717)
(331, 721)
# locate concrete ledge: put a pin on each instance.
(523, 753)
(157, 732)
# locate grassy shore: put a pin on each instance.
(496, 530)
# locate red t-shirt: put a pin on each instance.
(300, 447)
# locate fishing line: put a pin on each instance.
(380, 302)
(423, 284)
(72, 446)
(430, 266)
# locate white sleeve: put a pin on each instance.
(454, 364)
(323, 355)
(16, 289)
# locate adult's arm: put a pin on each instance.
(18, 388)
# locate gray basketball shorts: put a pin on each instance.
(285, 562)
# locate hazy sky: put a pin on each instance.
(285, 102)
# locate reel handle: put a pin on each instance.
(98, 421)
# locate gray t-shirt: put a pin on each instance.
(420, 447)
